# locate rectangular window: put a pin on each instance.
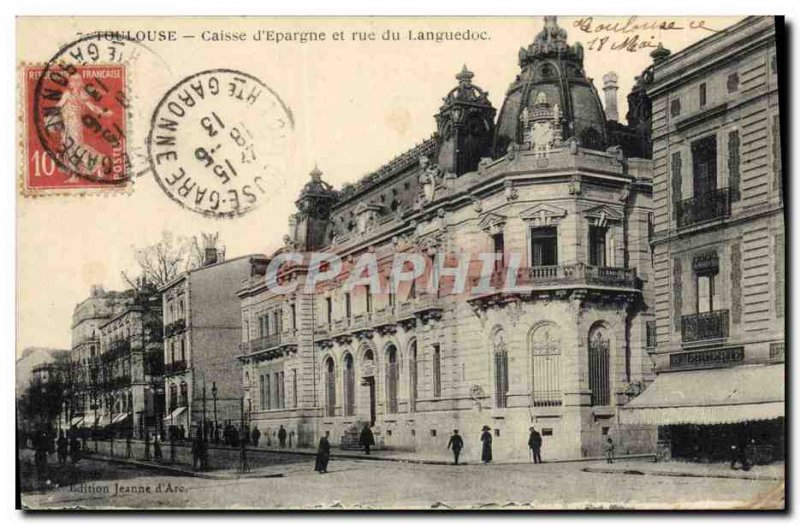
(368, 298)
(281, 390)
(391, 299)
(705, 293)
(329, 309)
(294, 317)
(347, 305)
(702, 94)
(501, 378)
(276, 392)
(499, 245)
(262, 393)
(597, 246)
(437, 371)
(266, 399)
(544, 246)
(704, 165)
(294, 388)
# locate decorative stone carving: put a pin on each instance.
(492, 223)
(541, 126)
(543, 215)
(601, 215)
(510, 191)
(366, 216)
(477, 205)
(511, 153)
(428, 179)
(575, 185)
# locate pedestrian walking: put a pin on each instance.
(486, 449)
(156, 447)
(147, 446)
(75, 449)
(456, 443)
(367, 439)
(62, 445)
(608, 449)
(197, 446)
(323, 454)
(256, 436)
(535, 445)
(282, 436)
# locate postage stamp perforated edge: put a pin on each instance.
(26, 136)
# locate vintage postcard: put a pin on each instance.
(492, 263)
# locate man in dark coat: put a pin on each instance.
(75, 449)
(256, 436)
(282, 436)
(63, 448)
(323, 454)
(535, 444)
(486, 449)
(456, 444)
(367, 439)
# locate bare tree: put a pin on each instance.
(163, 261)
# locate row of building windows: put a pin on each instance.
(731, 85)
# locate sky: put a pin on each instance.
(355, 106)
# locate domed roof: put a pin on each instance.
(552, 74)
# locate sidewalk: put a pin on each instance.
(685, 469)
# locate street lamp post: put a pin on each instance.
(214, 396)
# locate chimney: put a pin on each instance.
(610, 88)
(210, 256)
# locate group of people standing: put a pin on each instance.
(456, 444)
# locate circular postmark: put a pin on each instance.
(217, 142)
(82, 110)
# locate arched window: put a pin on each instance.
(546, 366)
(184, 394)
(330, 387)
(500, 369)
(599, 380)
(349, 386)
(391, 380)
(412, 376)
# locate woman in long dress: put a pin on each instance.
(486, 450)
(323, 454)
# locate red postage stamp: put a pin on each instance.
(75, 134)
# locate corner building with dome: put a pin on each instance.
(552, 183)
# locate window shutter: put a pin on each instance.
(677, 181)
(779, 276)
(736, 283)
(677, 297)
(733, 165)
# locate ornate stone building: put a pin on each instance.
(559, 195)
(89, 315)
(718, 245)
(132, 367)
(201, 328)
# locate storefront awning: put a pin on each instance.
(119, 418)
(75, 421)
(710, 397)
(173, 416)
(89, 420)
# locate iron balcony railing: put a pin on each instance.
(266, 342)
(704, 326)
(174, 367)
(707, 206)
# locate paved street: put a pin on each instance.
(379, 484)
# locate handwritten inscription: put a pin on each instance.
(632, 34)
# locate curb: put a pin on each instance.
(684, 474)
(178, 470)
